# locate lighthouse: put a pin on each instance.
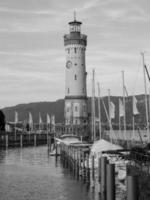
(75, 110)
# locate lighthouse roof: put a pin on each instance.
(75, 23)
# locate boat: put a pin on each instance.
(66, 139)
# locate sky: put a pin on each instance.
(32, 56)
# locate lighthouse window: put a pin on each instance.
(75, 77)
(75, 50)
(68, 90)
(75, 64)
(76, 108)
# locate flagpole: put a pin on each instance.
(119, 118)
(99, 113)
(124, 106)
(110, 128)
(133, 120)
(145, 88)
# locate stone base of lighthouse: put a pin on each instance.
(76, 111)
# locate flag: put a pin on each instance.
(53, 119)
(16, 117)
(112, 110)
(121, 108)
(40, 119)
(53, 123)
(30, 121)
(30, 118)
(48, 119)
(135, 110)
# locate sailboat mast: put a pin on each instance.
(124, 105)
(133, 121)
(145, 88)
(93, 106)
(119, 121)
(99, 112)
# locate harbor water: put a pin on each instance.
(31, 174)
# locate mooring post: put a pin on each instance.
(80, 166)
(110, 182)
(84, 174)
(99, 173)
(21, 140)
(6, 137)
(35, 139)
(88, 169)
(93, 172)
(74, 162)
(56, 153)
(103, 177)
(77, 163)
(132, 187)
(49, 142)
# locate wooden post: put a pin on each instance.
(77, 163)
(84, 174)
(103, 177)
(21, 144)
(99, 173)
(132, 187)
(49, 143)
(80, 167)
(35, 139)
(93, 172)
(7, 143)
(110, 182)
(88, 170)
(56, 154)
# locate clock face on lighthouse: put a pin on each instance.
(69, 64)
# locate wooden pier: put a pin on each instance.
(102, 178)
(23, 139)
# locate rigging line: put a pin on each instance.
(136, 78)
(147, 72)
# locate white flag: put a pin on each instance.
(40, 119)
(48, 119)
(112, 110)
(121, 108)
(30, 121)
(53, 119)
(16, 117)
(30, 118)
(135, 110)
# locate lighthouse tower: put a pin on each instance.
(75, 74)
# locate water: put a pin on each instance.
(30, 174)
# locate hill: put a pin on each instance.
(57, 108)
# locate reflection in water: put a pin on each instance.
(30, 174)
